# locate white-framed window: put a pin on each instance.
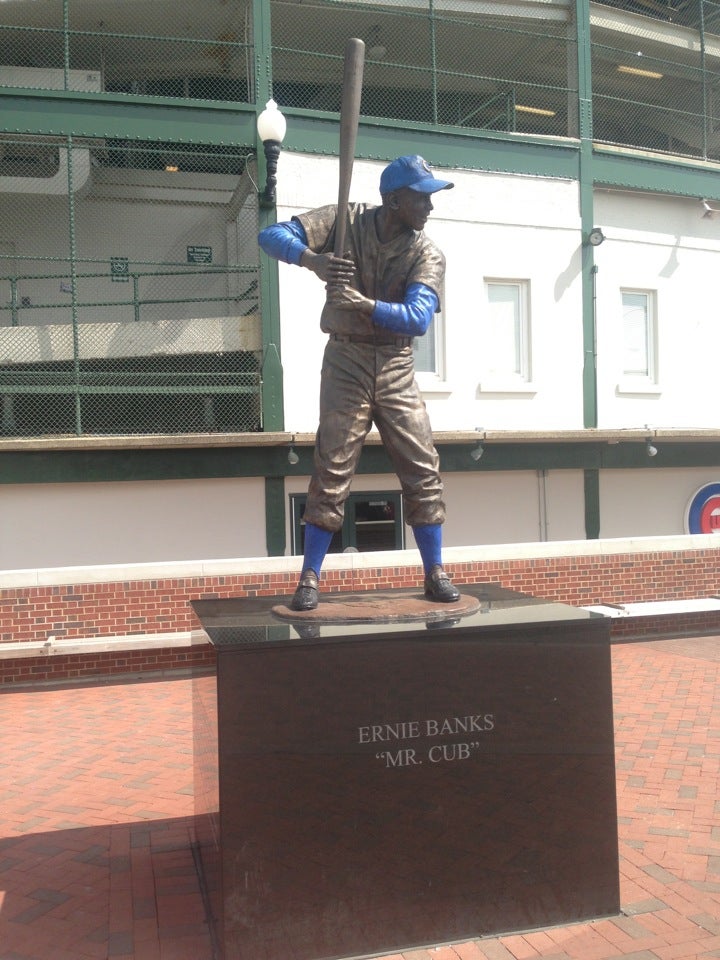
(638, 349)
(429, 353)
(425, 348)
(506, 336)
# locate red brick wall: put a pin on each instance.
(163, 605)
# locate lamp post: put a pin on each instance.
(271, 127)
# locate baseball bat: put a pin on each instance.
(349, 119)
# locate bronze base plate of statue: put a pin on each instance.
(378, 606)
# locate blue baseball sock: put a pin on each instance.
(317, 542)
(429, 541)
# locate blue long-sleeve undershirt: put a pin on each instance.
(411, 317)
(287, 241)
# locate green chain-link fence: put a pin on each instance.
(128, 289)
(164, 48)
(451, 64)
(655, 67)
(655, 63)
(656, 76)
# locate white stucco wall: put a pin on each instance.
(490, 226)
(57, 525)
(496, 226)
(68, 524)
(502, 507)
(663, 245)
(638, 503)
(513, 507)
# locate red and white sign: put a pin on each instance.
(703, 511)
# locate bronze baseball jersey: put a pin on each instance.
(383, 270)
(368, 373)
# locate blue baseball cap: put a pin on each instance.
(412, 172)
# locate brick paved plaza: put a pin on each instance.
(96, 801)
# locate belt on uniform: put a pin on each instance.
(381, 340)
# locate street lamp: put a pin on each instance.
(271, 126)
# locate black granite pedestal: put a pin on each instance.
(365, 788)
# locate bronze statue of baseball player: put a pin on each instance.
(380, 295)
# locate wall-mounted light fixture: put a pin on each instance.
(376, 49)
(538, 111)
(293, 458)
(596, 237)
(640, 72)
(708, 211)
(650, 448)
(479, 450)
(271, 127)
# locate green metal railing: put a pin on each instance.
(16, 308)
(134, 370)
